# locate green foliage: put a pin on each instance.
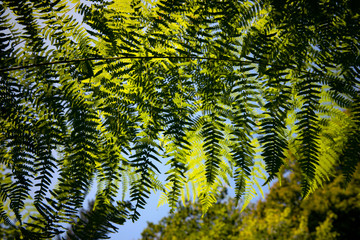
(89, 226)
(221, 221)
(330, 213)
(208, 88)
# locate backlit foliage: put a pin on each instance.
(110, 92)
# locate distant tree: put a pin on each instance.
(222, 220)
(330, 213)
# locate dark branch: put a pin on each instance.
(118, 58)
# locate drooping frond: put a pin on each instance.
(351, 154)
(309, 131)
(99, 221)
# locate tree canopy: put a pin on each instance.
(329, 213)
(110, 92)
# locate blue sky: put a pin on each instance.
(151, 213)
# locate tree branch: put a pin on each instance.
(118, 58)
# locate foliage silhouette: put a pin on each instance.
(210, 87)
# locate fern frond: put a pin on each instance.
(351, 155)
(140, 189)
(273, 126)
(99, 221)
(250, 191)
(308, 132)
